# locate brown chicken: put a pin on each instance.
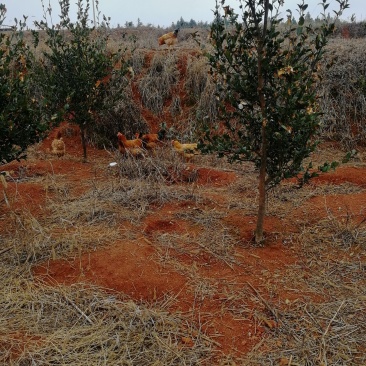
(129, 147)
(169, 39)
(128, 143)
(152, 140)
(58, 146)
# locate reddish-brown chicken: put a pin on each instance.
(128, 143)
(129, 147)
(152, 140)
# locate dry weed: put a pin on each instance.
(157, 85)
(84, 325)
(331, 333)
(343, 99)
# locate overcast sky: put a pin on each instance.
(158, 12)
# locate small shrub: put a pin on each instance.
(268, 79)
(125, 116)
(82, 78)
(23, 120)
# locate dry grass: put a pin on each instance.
(315, 334)
(161, 165)
(344, 101)
(327, 331)
(90, 221)
(201, 89)
(157, 85)
(124, 117)
(82, 325)
(324, 332)
(191, 100)
(214, 238)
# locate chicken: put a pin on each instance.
(136, 152)
(184, 147)
(129, 143)
(187, 151)
(151, 141)
(130, 147)
(147, 137)
(169, 39)
(58, 146)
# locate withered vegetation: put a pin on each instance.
(311, 310)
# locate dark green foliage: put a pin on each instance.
(22, 118)
(78, 70)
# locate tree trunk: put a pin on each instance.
(259, 237)
(83, 141)
(259, 231)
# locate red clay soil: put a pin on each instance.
(132, 267)
(341, 175)
(16, 344)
